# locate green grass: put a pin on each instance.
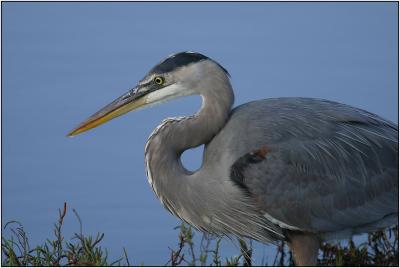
(381, 249)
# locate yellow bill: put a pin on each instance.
(127, 102)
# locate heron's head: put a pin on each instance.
(181, 74)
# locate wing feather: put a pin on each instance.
(327, 169)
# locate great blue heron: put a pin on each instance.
(296, 169)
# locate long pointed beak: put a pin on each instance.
(125, 103)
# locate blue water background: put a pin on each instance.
(63, 61)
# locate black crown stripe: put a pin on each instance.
(179, 60)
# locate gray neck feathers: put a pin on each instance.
(170, 180)
(198, 197)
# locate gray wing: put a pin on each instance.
(318, 166)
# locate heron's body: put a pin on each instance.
(296, 169)
(303, 161)
(354, 195)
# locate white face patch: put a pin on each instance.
(167, 93)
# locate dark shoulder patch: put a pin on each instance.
(245, 162)
(179, 60)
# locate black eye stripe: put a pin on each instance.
(144, 88)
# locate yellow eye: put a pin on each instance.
(159, 80)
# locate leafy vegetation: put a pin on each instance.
(80, 251)
(381, 249)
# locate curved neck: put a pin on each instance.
(188, 132)
(172, 137)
